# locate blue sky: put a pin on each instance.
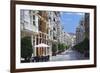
(70, 20)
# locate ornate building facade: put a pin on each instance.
(42, 27)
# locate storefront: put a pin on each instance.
(42, 48)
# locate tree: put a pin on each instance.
(54, 48)
(66, 47)
(26, 48)
(82, 46)
(61, 47)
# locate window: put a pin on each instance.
(34, 20)
(50, 18)
(54, 28)
(54, 19)
(33, 17)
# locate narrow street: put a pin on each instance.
(68, 55)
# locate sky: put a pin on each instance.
(70, 20)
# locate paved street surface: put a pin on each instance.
(68, 55)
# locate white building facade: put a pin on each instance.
(80, 32)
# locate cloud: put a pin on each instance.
(79, 13)
(75, 13)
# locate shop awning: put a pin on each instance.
(41, 45)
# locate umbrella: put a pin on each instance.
(41, 45)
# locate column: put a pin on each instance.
(35, 47)
(32, 41)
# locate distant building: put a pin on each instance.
(54, 27)
(82, 31)
(73, 38)
(62, 35)
(86, 24)
(67, 39)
